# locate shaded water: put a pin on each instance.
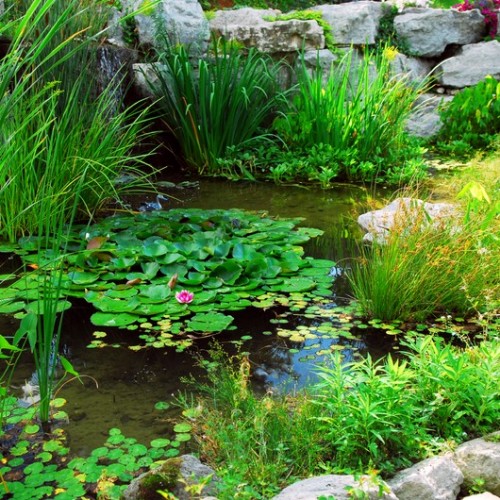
(130, 383)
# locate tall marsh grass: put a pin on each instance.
(421, 269)
(360, 111)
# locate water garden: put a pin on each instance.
(186, 275)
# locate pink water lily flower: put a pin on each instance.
(184, 297)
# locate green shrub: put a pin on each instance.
(360, 415)
(471, 120)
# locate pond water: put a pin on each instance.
(130, 383)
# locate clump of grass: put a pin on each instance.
(360, 109)
(215, 103)
(54, 126)
(423, 269)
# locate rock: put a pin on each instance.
(425, 121)
(482, 496)
(429, 31)
(355, 23)
(336, 486)
(181, 21)
(437, 478)
(480, 459)
(414, 69)
(379, 223)
(471, 65)
(252, 28)
(145, 77)
(172, 476)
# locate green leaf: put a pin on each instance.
(111, 319)
(209, 322)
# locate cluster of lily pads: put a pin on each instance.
(175, 275)
(38, 465)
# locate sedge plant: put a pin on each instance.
(53, 123)
(423, 268)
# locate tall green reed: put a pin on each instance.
(217, 102)
(359, 110)
(53, 120)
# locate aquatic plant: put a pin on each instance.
(38, 464)
(220, 102)
(54, 124)
(131, 267)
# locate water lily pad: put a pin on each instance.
(112, 319)
(83, 277)
(209, 322)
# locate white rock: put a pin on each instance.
(379, 223)
(252, 28)
(354, 23)
(429, 31)
(333, 485)
(480, 458)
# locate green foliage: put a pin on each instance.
(360, 415)
(283, 5)
(387, 36)
(471, 120)
(220, 102)
(56, 130)
(423, 269)
(359, 109)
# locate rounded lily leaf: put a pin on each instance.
(112, 319)
(209, 322)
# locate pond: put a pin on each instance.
(130, 383)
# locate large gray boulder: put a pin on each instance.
(253, 28)
(472, 64)
(425, 120)
(437, 478)
(429, 31)
(480, 459)
(181, 21)
(355, 23)
(336, 486)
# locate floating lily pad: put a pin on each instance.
(112, 319)
(209, 322)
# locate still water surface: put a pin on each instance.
(130, 383)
